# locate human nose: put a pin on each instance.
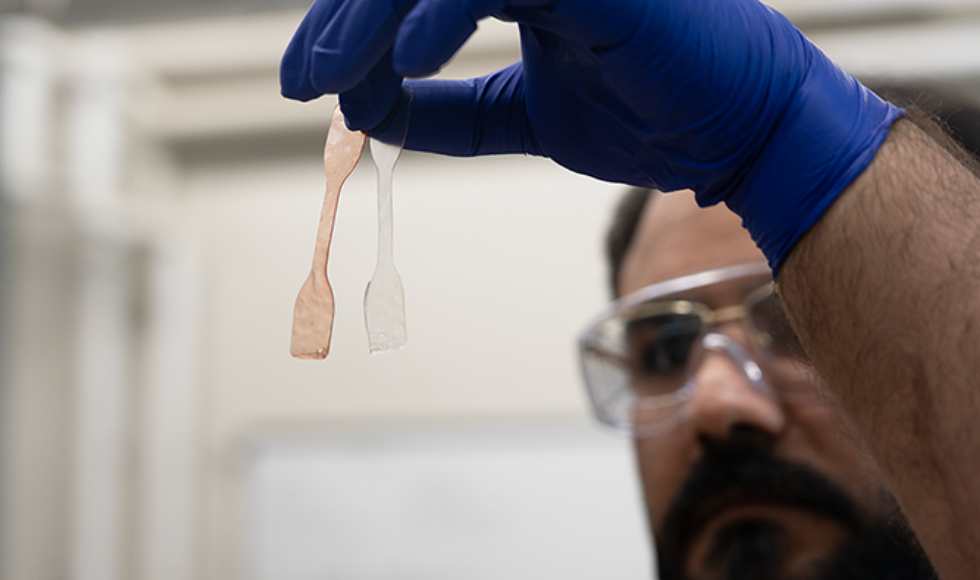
(730, 392)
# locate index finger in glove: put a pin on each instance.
(420, 50)
(338, 43)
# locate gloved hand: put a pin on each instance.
(724, 97)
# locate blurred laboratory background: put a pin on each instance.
(159, 207)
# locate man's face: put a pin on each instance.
(747, 485)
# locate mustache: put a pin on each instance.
(744, 469)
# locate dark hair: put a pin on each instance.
(626, 220)
(935, 106)
(946, 115)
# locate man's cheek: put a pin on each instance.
(664, 463)
(834, 447)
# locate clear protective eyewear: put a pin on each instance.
(640, 356)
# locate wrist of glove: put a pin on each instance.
(724, 97)
(824, 137)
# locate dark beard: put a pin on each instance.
(880, 546)
(885, 551)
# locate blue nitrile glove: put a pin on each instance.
(725, 97)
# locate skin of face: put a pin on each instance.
(675, 238)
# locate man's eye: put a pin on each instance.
(661, 346)
(667, 355)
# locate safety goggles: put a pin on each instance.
(640, 356)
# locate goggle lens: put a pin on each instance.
(659, 349)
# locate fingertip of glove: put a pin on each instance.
(291, 86)
(305, 91)
(363, 114)
(314, 77)
(301, 97)
(413, 66)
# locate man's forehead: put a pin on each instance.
(676, 237)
